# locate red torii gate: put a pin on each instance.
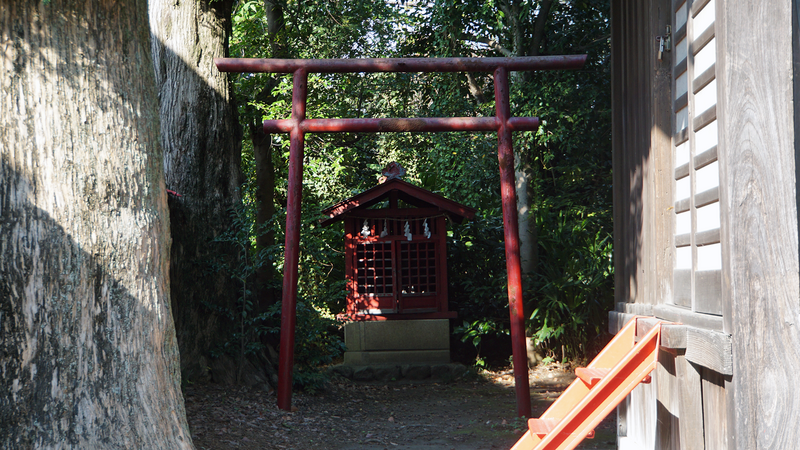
(503, 123)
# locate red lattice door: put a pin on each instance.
(418, 275)
(392, 274)
(374, 276)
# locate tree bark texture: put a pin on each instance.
(88, 356)
(528, 234)
(526, 218)
(201, 138)
(267, 291)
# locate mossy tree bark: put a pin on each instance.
(88, 356)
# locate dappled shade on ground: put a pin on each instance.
(477, 414)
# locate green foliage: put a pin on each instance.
(317, 338)
(317, 344)
(476, 264)
(246, 325)
(573, 287)
(335, 166)
(568, 159)
(475, 331)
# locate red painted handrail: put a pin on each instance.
(622, 365)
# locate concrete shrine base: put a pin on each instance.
(412, 373)
(397, 342)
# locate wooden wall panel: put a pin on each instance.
(668, 407)
(715, 410)
(642, 225)
(617, 141)
(630, 103)
(691, 404)
(760, 222)
(642, 418)
(641, 140)
(659, 247)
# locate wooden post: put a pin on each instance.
(292, 250)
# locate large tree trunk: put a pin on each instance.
(88, 357)
(202, 155)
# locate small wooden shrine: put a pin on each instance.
(395, 250)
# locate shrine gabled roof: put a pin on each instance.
(409, 193)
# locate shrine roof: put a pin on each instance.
(407, 192)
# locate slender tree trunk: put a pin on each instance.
(267, 293)
(528, 235)
(88, 356)
(202, 156)
(265, 197)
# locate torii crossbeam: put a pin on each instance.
(503, 123)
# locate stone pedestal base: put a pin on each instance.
(397, 342)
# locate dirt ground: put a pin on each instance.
(475, 414)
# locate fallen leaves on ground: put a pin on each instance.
(460, 415)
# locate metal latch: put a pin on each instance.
(664, 42)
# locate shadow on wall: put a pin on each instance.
(640, 130)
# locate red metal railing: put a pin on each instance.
(504, 124)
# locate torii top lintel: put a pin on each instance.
(522, 63)
(504, 124)
(301, 68)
